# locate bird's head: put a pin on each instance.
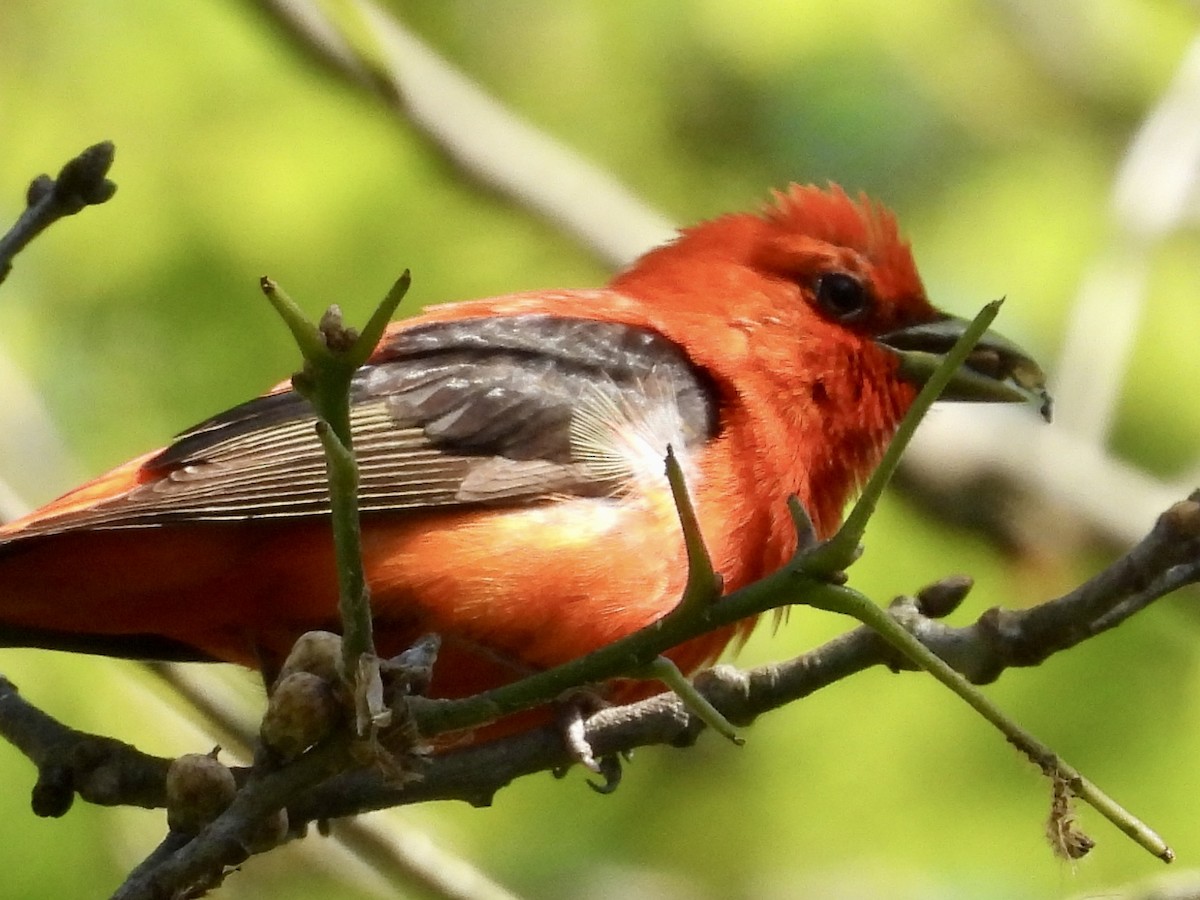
(830, 272)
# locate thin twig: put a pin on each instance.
(80, 183)
(980, 650)
(332, 354)
(704, 583)
(398, 853)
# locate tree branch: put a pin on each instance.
(109, 772)
(1167, 559)
(101, 770)
(1160, 562)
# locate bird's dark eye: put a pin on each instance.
(842, 296)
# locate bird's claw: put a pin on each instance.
(609, 768)
(573, 710)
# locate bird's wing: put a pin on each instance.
(499, 410)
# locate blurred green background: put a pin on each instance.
(993, 128)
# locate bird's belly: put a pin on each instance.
(540, 585)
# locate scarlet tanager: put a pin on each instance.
(513, 489)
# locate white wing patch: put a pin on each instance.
(623, 435)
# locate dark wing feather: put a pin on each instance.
(476, 411)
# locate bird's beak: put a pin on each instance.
(997, 371)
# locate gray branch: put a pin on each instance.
(318, 786)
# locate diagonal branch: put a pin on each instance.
(981, 651)
(1166, 559)
(486, 143)
(227, 839)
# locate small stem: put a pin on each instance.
(703, 583)
(1141, 833)
(843, 548)
(806, 531)
(664, 670)
(372, 332)
(306, 335)
(353, 595)
(853, 604)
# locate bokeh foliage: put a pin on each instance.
(993, 128)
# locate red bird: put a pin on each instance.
(513, 489)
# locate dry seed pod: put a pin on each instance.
(302, 710)
(198, 790)
(318, 652)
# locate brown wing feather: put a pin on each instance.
(279, 472)
(462, 414)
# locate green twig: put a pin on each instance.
(844, 547)
(704, 584)
(813, 577)
(353, 594)
(332, 354)
(807, 576)
(663, 669)
(790, 584)
(854, 604)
